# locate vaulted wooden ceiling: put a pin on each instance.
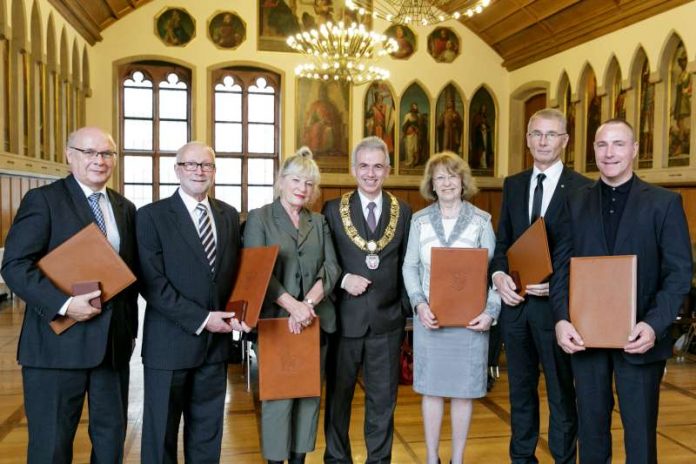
(521, 31)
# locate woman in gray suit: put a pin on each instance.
(449, 362)
(304, 275)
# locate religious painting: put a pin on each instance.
(482, 133)
(569, 111)
(175, 27)
(405, 38)
(449, 121)
(619, 94)
(414, 130)
(646, 91)
(226, 30)
(593, 120)
(280, 18)
(443, 45)
(681, 89)
(322, 122)
(380, 115)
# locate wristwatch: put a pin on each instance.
(310, 302)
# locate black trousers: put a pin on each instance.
(378, 355)
(53, 402)
(198, 394)
(638, 390)
(530, 340)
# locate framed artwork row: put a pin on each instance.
(175, 27)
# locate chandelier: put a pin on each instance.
(415, 12)
(340, 53)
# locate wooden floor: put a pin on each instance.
(488, 438)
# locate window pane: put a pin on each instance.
(261, 171)
(137, 135)
(137, 102)
(228, 170)
(261, 138)
(173, 134)
(261, 86)
(139, 194)
(228, 137)
(173, 104)
(137, 169)
(166, 170)
(261, 108)
(230, 195)
(137, 81)
(166, 191)
(259, 196)
(228, 106)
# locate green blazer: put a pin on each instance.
(306, 255)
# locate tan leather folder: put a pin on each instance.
(603, 292)
(289, 364)
(86, 256)
(254, 271)
(529, 260)
(458, 284)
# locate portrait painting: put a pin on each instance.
(280, 18)
(443, 45)
(226, 30)
(414, 130)
(482, 133)
(405, 38)
(175, 27)
(681, 90)
(380, 115)
(449, 121)
(569, 111)
(323, 112)
(647, 117)
(593, 121)
(619, 106)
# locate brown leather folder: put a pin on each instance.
(254, 271)
(458, 284)
(86, 256)
(603, 292)
(529, 260)
(289, 364)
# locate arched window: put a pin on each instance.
(155, 116)
(246, 110)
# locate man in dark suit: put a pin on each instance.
(189, 244)
(91, 358)
(527, 323)
(370, 231)
(622, 215)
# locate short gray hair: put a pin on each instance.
(370, 143)
(194, 144)
(552, 114)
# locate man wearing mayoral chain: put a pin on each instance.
(370, 231)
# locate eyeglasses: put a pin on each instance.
(192, 166)
(91, 154)
(550, 136)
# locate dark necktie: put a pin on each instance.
(371, 220)
(205, 231)
(93, 201)
(538, 195)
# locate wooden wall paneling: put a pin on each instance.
(25, 186)
(689, 199)
(5, 207)
(16, 195)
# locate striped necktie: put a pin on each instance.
(93, 201)
(205, 232)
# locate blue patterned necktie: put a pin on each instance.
(205, 232)
(93, 200)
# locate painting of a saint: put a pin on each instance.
(226, 30)
(405, 38)
(681, 91)
(594, 119)
(569, 109)
(380, 115)
(322, 122)
(449, 121)
(414, 146)
(647, 120)
(482, 133)
(175, 27)
(443, 45)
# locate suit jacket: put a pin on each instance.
(47, 217)
(653, 227)
(514, 220)
(306, 255)
(179, 286)
(384, 305)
